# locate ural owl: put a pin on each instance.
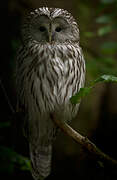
(50, 69)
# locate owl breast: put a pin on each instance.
(57, 73)
(49, 76)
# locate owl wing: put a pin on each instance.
(20, 107)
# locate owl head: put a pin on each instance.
(50, 25)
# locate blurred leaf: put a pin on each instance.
(89, 34)
(108, 61)
(109, 47)
(110, 44)
(82, 93)
(86, 90)
(10, 159)
(108, 1)
(100, 164)
(104, 19)
(105, 78)
(4, 124)
(15, 44)
(105, 30)
(115, 26)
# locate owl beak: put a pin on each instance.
(51, 37)
(51, 34)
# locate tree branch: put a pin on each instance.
(87, 144)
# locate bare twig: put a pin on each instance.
(86, 143)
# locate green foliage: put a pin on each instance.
(89, 34)
(105, 78)
(102, 58)
(4, 124)
(104, 19)
(104, 30)
(86, 90)
(109, 47)
(82, 93)
(108, 18)
(108, 1)
(9, 160)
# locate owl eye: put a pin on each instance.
(42, 28)
(58, 29)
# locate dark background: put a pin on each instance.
(97, 117)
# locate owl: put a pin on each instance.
(50, 70)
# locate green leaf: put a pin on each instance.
(104, 78)
(82, 93)
(9, 159)
(89, 34)
(108, 1)
(4, 124)
(108, 61)
(86, 90)
(105, 30)
(104, 19)
(109, 47)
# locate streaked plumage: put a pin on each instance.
(50, 69)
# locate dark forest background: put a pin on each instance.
(97, 117)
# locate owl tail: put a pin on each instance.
(41, 161)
